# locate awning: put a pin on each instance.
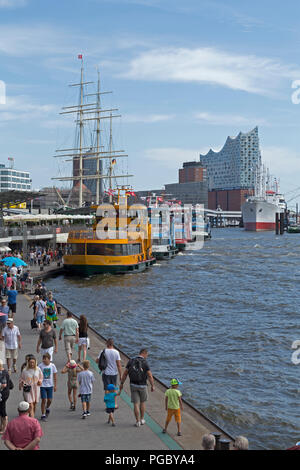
(4, 249)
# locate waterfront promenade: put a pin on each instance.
(65, 430)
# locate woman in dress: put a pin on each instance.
(31, 376)
(51, 314)
(83, 337)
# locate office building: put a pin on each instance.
(11, 179)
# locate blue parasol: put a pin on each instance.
(10, 260)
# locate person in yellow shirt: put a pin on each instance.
(173, 404)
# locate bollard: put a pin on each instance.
(217, 437)
(224, 444)
(277, 223)
(281, 223)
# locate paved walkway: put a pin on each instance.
(66, 430)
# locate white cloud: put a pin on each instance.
(229, 119)
(284, 164)
(21, 108)
(23, 41)
(248, 73)
(148, 119)
(12, 3)
(173, 157)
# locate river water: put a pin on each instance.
(221, 319)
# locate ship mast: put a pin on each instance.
(80, 155)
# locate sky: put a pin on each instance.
(184, 76)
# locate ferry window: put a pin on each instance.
(77, 249)
(110, 249)
(134, 249)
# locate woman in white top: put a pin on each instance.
(31, 376)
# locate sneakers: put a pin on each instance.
(47, 412)
(44, 418)
(113, 424)
(179, 434)
(143, 422)
(137, 424)
(88, 413)
(83, 416)
(164, 431)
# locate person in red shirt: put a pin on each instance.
(23, 432)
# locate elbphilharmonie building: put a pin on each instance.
(235, 165)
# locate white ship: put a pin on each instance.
(259, 211)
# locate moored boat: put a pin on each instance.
(112, 246)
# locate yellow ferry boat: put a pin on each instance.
(95, 251)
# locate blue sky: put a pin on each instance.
(184, 76)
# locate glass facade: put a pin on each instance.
(235, 165)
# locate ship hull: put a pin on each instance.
(259, 216)
(91, 269)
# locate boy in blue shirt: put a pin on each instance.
(110, 401)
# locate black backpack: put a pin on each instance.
(102, 364)
(136, 370)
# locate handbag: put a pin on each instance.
(10, 384)
(26, 388)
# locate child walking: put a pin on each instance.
(86, 379)
(173, 404)
(72, 369)
(110, 399)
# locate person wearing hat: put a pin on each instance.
(173, 404)
(12, 338)
(72, 369)
(23, 432)
(110, 400)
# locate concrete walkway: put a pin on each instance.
(65, 430)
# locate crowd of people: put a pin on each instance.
(38, 376)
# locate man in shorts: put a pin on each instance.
(71, 334)
(138, 371)
(47, 340)
(12, 339)
(110, 374)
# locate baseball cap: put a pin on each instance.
(23, 406)
(111, 387)
(9, 320)
(175, 382)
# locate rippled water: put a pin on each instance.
(222, 319)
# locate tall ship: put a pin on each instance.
(259, 211)
(120, 238)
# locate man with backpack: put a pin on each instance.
(109, 363)
(139, 371)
